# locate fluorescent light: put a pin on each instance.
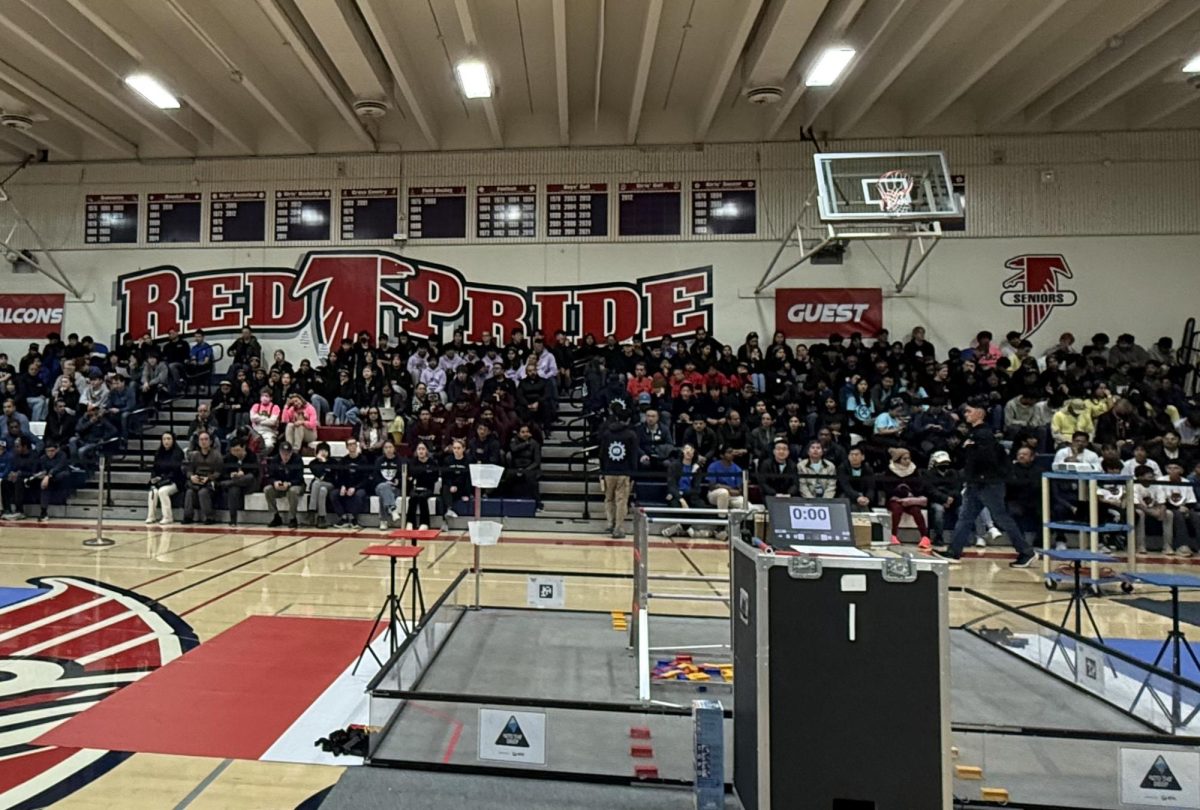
(1193, 65)
(828, 67)
(150, 89)
(474, 79)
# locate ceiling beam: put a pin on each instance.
(62, 142)
(1156, 25)
(642, 72)
(59, 107)
(1002, 33)
(245, 67)
(829, 30)
(285, 22)
(1148, 108)
(558, 9)
(782, 32)
(132, 44)
(381, 23)
(1131, 74)
(866, 30)
(467, 21)
(339, 27)
(16, 144)
(908, 41)
(38, 34)
(739, 37)
(1067, 53)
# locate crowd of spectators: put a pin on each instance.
(877, 421)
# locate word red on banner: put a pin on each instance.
(31, 316)
(818, 312)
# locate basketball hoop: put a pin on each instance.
(895, 192)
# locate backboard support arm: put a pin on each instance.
(48, 266)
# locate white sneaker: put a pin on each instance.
(994, 533)
(1060, 545)
(671, 531)
(691, 532)
(422, 527)
(450, 513)
(165, 522)
(722, 535)
(981, 541)
(15, 516)
(150, 520)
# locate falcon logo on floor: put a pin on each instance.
(514, 737)
(1159, 777)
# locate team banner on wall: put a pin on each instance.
(31, 316)
(818, 312)
(337, 294)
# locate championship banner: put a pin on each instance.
(818, 312)
(29, 315)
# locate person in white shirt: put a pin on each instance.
(1110, 501)
(1188, 429)
(1149, 502)
(1179, 498)
(1140, 457)
(1078, 452)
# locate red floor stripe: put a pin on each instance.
(231, 697)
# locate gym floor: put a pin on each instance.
(162, 590)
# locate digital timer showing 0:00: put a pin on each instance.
(810, 517)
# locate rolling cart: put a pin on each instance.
(1088, 485)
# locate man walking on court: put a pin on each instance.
(618, 462)
(985, 469)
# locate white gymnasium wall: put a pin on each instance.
(1120, 207)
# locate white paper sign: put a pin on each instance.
(1090, 670)
(507, 736)
(1156, 777)
(545, 592)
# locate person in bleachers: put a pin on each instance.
(456, 480)
(433, 377)
(11, 413)
(155, 382)
(224, 407)
(92, 430)
(300, 422)
(50, 472)
(33, 396)
(284, 478)
(353, 476)
(523, 465)
(1179, 500)
(734, 436)
(60, 425)
(818, 475)
(856, 479)
(724, 478)
(776, 475)
(203, 469)
(121, 406)
(422, 473)
(264, 420)
(372, 433)
(1170, 449)
(763, 437)
(241, 350)
(94, 393)
(280, 363)
(425, 430)
(1141, 456)
(1073, 417)
(175, 353)
(240, 472)
(323, 470)
(904, 493)
(166, 479)
(704, 439)
(17, 463)
(343, 393)
(655, 446)
(532, 394)
(484, 446)
(203, 422)
(198, 367)
(1025, 413)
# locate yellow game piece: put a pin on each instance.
(698, 676)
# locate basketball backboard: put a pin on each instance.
(884, 186)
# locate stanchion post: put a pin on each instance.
(478, 515)
(1045, 517)
(100, 540)
(1130, 533)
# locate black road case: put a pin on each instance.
(841, 682)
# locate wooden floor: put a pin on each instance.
(214, 577)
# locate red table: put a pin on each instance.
(415, 535)
(392, 604)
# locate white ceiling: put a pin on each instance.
(270, 77)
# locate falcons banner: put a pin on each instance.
(337, 294)
(1037, 288)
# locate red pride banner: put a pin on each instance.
(818, 312)
(31, 316)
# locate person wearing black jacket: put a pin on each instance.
(166, 479)
(943, 488)
(856, 480)
(285, 478)
(1023, 491)
(324, 471)
(456, 479)
(60, 425)
(50, 473)
(777, 475)
(353, 476)
(985, 470)
(175, 352)
(239, 477)
(91, 431)
(484, 448)
(12, 487)
(422, 473)
(618, 462)
(524, 467)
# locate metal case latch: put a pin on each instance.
(804, 568)
(902, 569)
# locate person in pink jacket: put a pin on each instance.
(300, 422)
(264, 419)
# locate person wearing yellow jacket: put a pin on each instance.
(1071, 418)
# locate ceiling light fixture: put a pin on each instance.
(1193, 65)
(474, 79)
(828, 67)
(152, 90)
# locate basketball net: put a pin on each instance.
(895, 192)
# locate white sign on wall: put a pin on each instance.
(1090, 672)
(1154, 777)
(507, 736)
(545, 592)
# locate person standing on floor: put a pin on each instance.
(985, 469)
(618, 462)
(166, 479)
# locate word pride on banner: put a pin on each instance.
(818, 312)
(31, 315)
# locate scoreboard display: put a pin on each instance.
(649, 209)
(437, 212)
(577, 209)
(173, 217)
(505, 211)
(237, 216)
(111, 219)
(369, 213)
(303, 215)
(724, 207)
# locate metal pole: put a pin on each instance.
(100, 540)
(1131, 532)
(1045, 519)
(404, 497)
(587, 505)
(478, 511)
(1094, 521)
